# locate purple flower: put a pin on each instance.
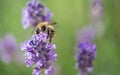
(9, 50)
(8, 42)
(49, 71)
(47, 16)
(85, 56)
(86, 34)
(39, 53)
(34, 13)
(36, 72)
(96, 10)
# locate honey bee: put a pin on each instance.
(46, 27)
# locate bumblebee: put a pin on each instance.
(46, 27)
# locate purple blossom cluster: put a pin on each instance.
(39, 53)
(96, 17)
(96, 10)
(34, 13)
(9, 50)
(85, 56)
(8, 47)
(86, 34)
(86, 51)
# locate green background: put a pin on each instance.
(71, 16)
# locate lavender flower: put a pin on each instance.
(86, 55)
(86, 34)
(96, 10)
(96, 13)
(8, 49)
(34, 13)
(40, 53)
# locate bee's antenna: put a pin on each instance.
(33, 31)
(53, 23)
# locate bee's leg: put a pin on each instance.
(50, 39)
(37, 31)
(48, 33)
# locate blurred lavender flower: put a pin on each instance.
(85, 56)
(34, 13)
(86, 51)
(40, 53)
(86, 34)
(96, 10)
(8, 49)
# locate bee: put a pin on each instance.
(46, 27)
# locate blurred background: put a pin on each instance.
(71, 16)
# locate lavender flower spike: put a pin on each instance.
(9, 50)
(39, 53)
(86, 55)
(8, 47)
(96, 10)
(96, 13)
(34, 13)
